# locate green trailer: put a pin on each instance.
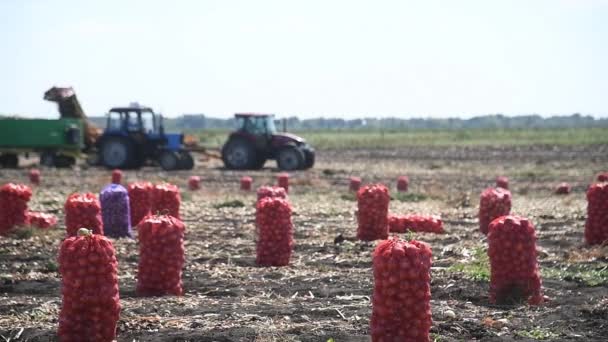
(58, 142)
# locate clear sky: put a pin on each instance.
(339, 58)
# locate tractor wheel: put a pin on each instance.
(238, 154)
(309, 159)
(290, 158)
(62, 161)
(47, 159)
(186, 162)
(168, 160)
(10, 161)
(117, 153)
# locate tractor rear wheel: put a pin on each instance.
(117, 153)
(290, 158)
(238, 154)
(168, 160)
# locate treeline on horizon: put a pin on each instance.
(202, 122)
(196, 122)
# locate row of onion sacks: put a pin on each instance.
(88, 267)
(415, 223)
(13, 206)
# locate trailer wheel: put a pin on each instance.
(62, 161)
(47, 159)
(9, 160)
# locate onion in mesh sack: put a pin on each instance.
(372, 213)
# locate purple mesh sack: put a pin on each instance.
(114, 200)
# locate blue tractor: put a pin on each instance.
(135, 135)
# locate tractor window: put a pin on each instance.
(270, 127)
(240, 123)
(114, 121)
(147, 121)
(258, 125)
(132, 122)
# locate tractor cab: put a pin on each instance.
(136, 134)
(134, 120)
(256, 124)
(256, 140)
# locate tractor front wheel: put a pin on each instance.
(309, 157)
(168, 160)
(290, 158)
(186, 162)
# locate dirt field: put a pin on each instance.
(325, 292)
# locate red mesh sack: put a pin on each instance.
(494, 202)
(415, 223)
(166, 198)
(563, 189)
(194, 183)
(83, 211)
(355, 184)
(116, 176)
(402, 183)
(596, 226)
(13, 206)
(161, 256)
(275, 232)
(271, 191)
(401, 303)
(34, 176)
(372, 213)
(140, 198)
(89, 286)
(283, 181)
(513, 265)
(246, 182)
(502, 182)
(41, 220)
(602, 177)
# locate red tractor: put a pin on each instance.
(257, 140)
